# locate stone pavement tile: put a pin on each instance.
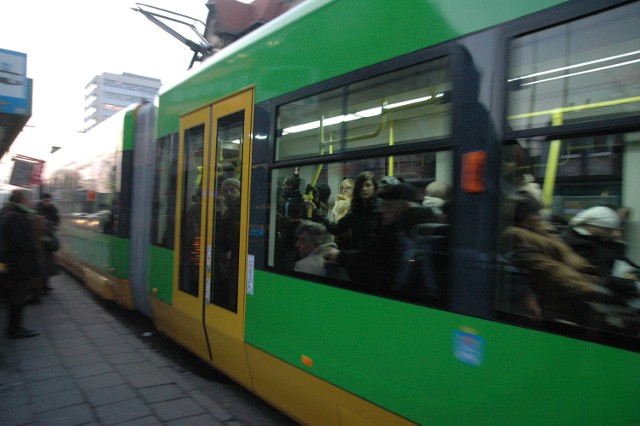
(181, 380)
(81, 359)
(145, 380)
(66, 326)
(18, 415)
(56, 384)
(123, 411)
(71, 340)
(39, 362)
(44, 373)
(76, 350)
(11, 397)
(176, 409)
(54, 400)
(145, 421)
(220, 413)
(109, 395)
(92, 369)
(125, 358)
(99, 328)
(136, 368)
(157, 360)
(105, 340)
(162, 393)
(199, 420)
(114, 348)
(27, 345)
(90, 319)
(100, 381)
(42, 351)
(72, 415)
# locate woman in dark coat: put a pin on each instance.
(361, 224)
(22, 259)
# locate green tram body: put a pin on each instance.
(306, 342)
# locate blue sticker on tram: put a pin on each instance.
(256, 232)
(468, 347)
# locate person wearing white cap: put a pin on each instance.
(594, 234)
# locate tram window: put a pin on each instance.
(419, 254)
(95, 203)
(579, 71)
(226, 251)
(164, 196)
(403, 106)
(570, 250)
(190, 244)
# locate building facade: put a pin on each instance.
(108, 93)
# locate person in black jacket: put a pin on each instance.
(391, 264)
(289, 216)
(361, 224)
(48, 210)
(21, 257)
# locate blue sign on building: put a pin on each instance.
(14, 90)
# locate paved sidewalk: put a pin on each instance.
(87, 367)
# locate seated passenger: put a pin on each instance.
(312, 241)
(437, 197)
(594, 234)
(561, 279)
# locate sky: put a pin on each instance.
(68, 42)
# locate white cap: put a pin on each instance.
(600, 216)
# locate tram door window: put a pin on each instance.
(190, 244)
(226, 228)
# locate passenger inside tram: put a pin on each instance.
(227, 247)
(399, 261)
(343, 200)
(289, 215)
(312, 241)
(361, 223)
(563, 283)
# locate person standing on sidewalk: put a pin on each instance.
(21, 256)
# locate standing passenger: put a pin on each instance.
(47, 209)
(227, 246)
(388, 264)
(362, 222)
(21, 248)
(343, 200)
(289, 216)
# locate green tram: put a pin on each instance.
(489, 99)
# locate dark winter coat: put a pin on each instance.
(21, 245)
(375, 267)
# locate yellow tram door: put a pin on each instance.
(185, 324)
(226, 239)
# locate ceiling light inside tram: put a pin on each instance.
(366, 113)
(580, 65)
